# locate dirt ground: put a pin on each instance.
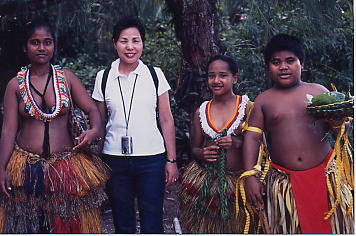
(170, 209)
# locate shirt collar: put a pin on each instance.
(115, 68)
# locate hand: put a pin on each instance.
(4, 182)
(171, 173)
(85, 139)
(210, 153)
(224, 142)
(254, 192)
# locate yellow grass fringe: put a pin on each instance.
(90, 172)
(340, 158)
(282, 210)
(15, 168)
(208, 221)
(2, 219)
(90, 221)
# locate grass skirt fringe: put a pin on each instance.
(62, 194)
(206, 218)
(281, 208)
(345, 208)
(282, 211)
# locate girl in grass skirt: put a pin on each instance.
(48, 185)
(207, 196)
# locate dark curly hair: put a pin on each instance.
(283, 42)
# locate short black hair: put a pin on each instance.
(284, 42)
(34, 24)
(229, 60)
(127, 22)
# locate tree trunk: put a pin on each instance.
(195, 27)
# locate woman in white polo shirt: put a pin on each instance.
(142, 161)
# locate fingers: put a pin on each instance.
(5, 187)
(171, 173)
(259, 203)
(79, 145)
(255, 192)
(170, 180)
(210, 153)
(256, 201)
(224, 142)
(82, 141)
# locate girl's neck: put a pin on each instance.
(225, 98)
(39, 70)
(126, 68)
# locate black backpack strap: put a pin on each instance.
(104, 81)
(155, 81)
(154, 77)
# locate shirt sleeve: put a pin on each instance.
(163, 85)
(97, 93)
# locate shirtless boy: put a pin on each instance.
(297, 196)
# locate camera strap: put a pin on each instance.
(127, 118)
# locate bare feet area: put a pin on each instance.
(170, 211)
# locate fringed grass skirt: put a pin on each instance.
(62, 194)
(282, 209)
(207, 218)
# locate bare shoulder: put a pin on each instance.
(264, 96)
(316, 88)
(197, 113)
(70, 76)
(12, 84)
(249, 105)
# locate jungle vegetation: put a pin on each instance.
(182, 35)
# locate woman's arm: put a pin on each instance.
(85, 102)
(168, 130)
(103, 114)
(8, 132)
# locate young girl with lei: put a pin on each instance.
(48, 186)
(208, 183)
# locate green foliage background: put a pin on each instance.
(325, 27)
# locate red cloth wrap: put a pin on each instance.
(311, 197)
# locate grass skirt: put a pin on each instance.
(282, 210)
(62, 194)
(204, 217)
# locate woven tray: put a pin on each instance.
(333, 110)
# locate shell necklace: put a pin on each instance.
(60, 93)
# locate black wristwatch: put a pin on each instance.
(172, 161)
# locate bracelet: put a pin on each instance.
(171, 161)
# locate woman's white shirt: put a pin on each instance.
(142, 127)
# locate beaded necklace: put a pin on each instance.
(60, 93)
